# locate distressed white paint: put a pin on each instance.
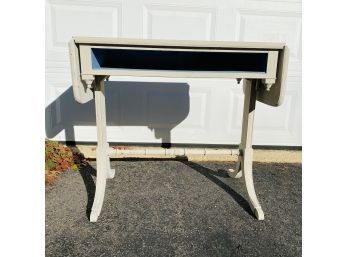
(212, 102)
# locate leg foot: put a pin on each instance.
(248, 176)
(99, 194)
(237, 173)
(111, 173)
(94, 216)
(258, 212)
(234, 173)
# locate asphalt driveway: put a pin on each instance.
(175, 208)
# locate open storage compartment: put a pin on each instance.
(156, 59)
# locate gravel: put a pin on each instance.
(176, 208)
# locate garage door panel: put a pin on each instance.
(153, 110)
(179, 22)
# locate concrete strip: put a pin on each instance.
(135, 151)
(194, 151)
(217, 151)
(195, 154)
(279, 156)
(179, 151)
(155, 151)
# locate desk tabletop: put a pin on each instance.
(179, 43)
(273, 97)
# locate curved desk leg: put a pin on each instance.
(103, 161)
(245, 159)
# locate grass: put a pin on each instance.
(60, 158)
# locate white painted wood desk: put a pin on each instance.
(262, 66)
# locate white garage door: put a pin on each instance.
(154, 110)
